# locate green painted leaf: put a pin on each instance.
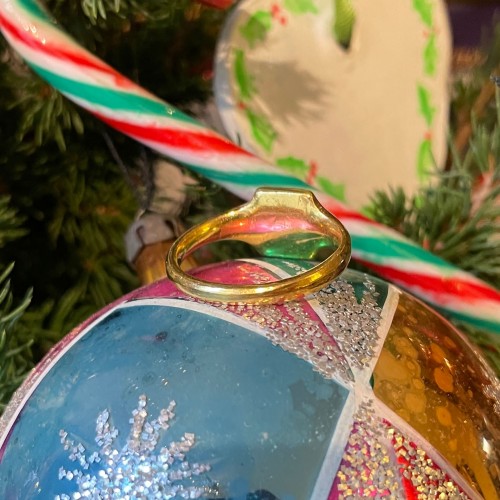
(295, 166)
(257, 26)
(424, 8)
(426, 108)
(300, 6)
(344, 22)
(244, 80)
(430, 56)
(425, 160)
(335, 190)
(262, 130)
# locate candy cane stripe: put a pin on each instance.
(37, 44)
(170, 136)
(405, 250)
(110, 98)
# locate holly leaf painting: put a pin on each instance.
(430, 56)
(244, 80)
(300, 6)
(426, 108)
(424, 9)
(295, 166)
(262, 130)
(257, 26)
(335, 190)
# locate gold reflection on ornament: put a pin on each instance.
(431, 378)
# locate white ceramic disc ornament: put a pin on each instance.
(349, 120)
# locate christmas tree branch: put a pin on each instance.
(464, 132)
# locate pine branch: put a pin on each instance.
(42, 113)
(463, 134)
(15, 354)
(10, 222)
(94, 9)
(77, 208)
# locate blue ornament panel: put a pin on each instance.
(262, 418)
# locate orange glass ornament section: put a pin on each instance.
(428, 374)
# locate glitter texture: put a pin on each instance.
(422, 478)
(379, 461)
(353, 324)
(134, 472)
(366, 469)
(429, 377)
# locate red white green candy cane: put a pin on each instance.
(119, 102)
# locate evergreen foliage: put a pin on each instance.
(15, 352)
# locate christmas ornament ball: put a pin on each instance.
(357, 390)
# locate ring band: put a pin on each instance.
(284, 223)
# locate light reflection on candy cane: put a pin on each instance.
(122, 104)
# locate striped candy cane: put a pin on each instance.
(120, 103)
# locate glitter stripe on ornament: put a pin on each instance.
(348, 326)
(421, 477)
(366, 469)
(357, 320)
(379, 461)
(50, 51)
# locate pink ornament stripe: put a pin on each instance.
(124, 105)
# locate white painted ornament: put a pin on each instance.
(348, 120)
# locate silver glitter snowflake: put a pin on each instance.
(134, 472)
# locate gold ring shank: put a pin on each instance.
(284, 223)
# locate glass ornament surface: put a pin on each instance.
(358, 390)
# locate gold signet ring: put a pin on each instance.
(282, 223)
